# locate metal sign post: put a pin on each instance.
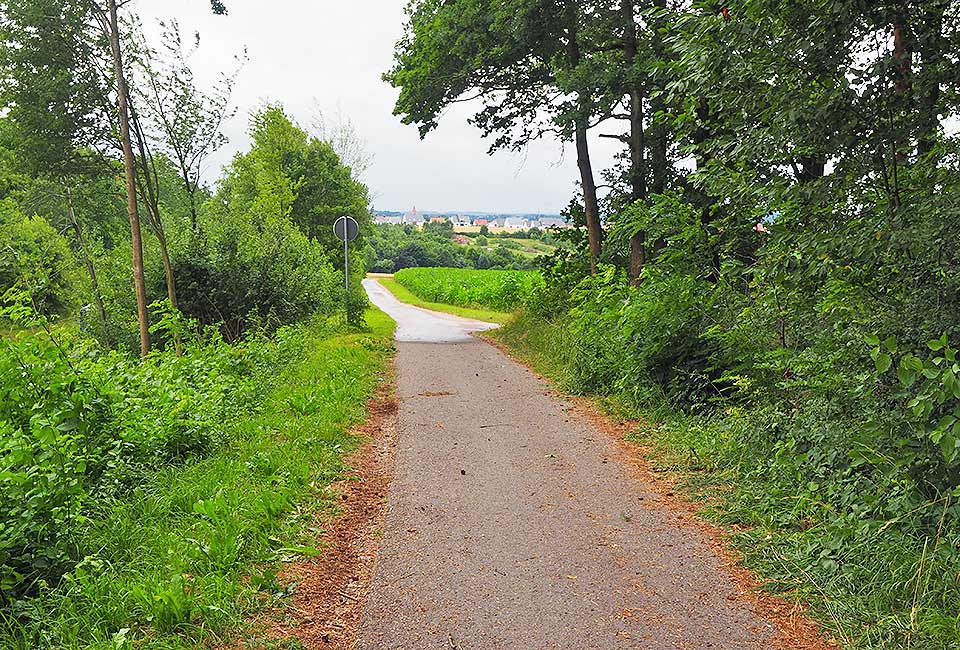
(346, 229)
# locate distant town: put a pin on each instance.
(472, 221)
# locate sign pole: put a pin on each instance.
(346, 229)
(346, 279)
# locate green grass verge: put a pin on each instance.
(889, 589)
(185, 560)
(538, 343)
(403, 294)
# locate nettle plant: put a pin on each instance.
(932, 389)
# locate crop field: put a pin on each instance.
(497, 290)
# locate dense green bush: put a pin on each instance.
(239, 276)
(497, 290)
(646, 340)
(80, 425)
(35, 257)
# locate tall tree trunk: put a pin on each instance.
(638, 171)
(708, 203)
(903, 54)
(192, 193)
(191, 190)
(150, 193)
(903, 83)
(591, 204)
(130, 173)
(87, 260)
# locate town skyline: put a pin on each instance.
(490, 213)
(467, 221)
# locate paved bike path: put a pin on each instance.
(513, 522)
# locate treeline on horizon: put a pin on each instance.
(775, 259)
(391, 247)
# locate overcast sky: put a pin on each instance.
(332, 52)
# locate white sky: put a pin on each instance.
(334, 51)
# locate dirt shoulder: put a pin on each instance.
(332, 588)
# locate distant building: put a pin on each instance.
(460, 220)
(553, 222)
(516, 223)
(412, 217)
(388, 219)
(481, 222)
(438, 220)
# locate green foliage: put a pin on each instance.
(266, 254)
(37, 259)
(138, 497)
(288, 174)
(240, 276)
(497, 290)
(925, 409)
(52, 89)
(83, 425)
(649, 340)
(392, 248)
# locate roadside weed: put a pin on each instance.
(186, 556)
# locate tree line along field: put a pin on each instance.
(394, 247)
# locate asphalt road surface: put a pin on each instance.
(513, 522)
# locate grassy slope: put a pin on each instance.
(185, 560)
(536, 342)
(529, 248)
(405, 295)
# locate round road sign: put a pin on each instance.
(346, 228)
